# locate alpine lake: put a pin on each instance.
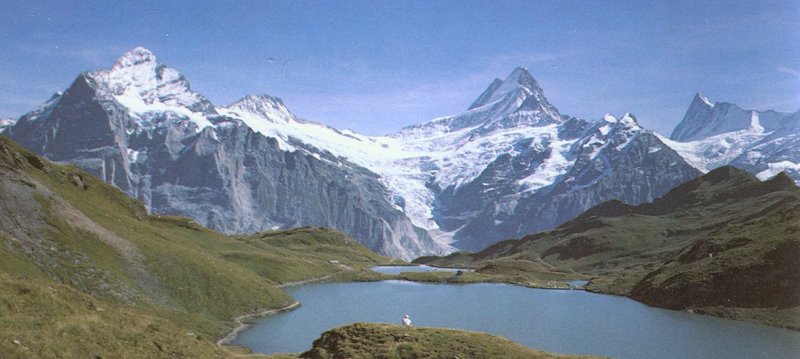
(558, 321)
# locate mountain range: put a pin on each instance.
(510, 165)
(724, 243)
(764, 143)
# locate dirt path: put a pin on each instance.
(343, 268)
(307, 281)
(128, 250)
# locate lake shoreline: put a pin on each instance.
(429, 306)
(240, 320)
(241, 325)
(772, 317)
(787, 318)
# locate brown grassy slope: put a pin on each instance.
(362, 340)
(723, 240)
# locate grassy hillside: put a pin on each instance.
(394, 341)
(85, 270)
(43, 319)
(725, 244)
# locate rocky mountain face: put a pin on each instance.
(509, 165)
(140, 127)
(512, 164)
(609, 159)
(761, 142)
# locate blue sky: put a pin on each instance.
(376, 66)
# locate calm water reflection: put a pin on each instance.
(563, 321)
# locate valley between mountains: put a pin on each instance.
(87, 272)
(138, 219)
(510, 165)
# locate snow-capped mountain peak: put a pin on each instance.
(266, 106)
(629, 121)
(609, 131)
(610, 124)
(517, 87)
(136, 70)
(138, 56)
(704, 119)
(145, 86)
(694, 120)
(701, 98)
(763, 142)
(508, 166)
(516, 102)
(6, 123)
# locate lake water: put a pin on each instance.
(420, 268)
(578, 283)
(561, 321)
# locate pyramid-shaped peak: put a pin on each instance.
(695, 121)
(519, 84)
(701, 100)
(521, 76)
(136, 56)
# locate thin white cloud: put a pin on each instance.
(790, 71)
(94, 57)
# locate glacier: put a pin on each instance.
(510, 164)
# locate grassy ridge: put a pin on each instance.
(392, 341)
(84, 270)
(725, 244)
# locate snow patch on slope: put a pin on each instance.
(553, 167)
(714, 151)
(6, 123)
(139, 109)
(778, 167)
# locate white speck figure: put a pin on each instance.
(406, 321)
